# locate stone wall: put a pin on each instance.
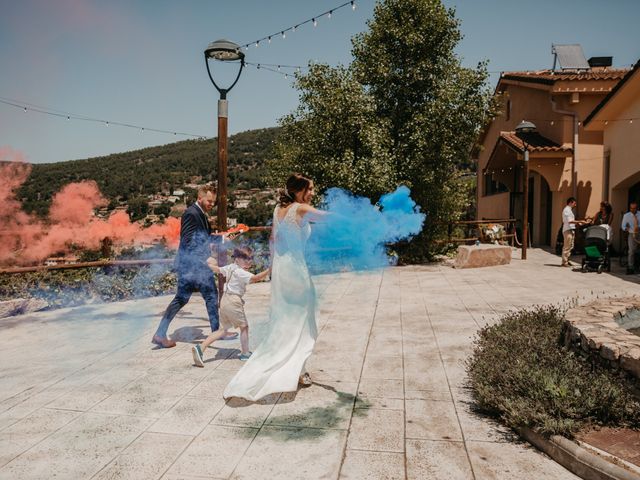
(595, 330)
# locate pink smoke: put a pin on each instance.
(26, 239)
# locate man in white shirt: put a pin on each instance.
(569, 223)
(630, 222)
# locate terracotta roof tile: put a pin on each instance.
(537, 143)
(551, 76)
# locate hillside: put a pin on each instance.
(151, 170)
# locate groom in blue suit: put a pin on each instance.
(191, 267)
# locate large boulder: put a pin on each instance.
(484, 255)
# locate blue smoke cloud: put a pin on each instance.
(356, 233)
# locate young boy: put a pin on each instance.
(232, 305)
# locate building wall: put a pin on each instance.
(532, 102)
(525, 103)
(622, 143)
(495, 206)
(589, 166)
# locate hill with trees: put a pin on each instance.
(129, 175)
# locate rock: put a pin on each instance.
(610, 351)
(596, 342)
(475, 256)
(630, 361)
(18, 306)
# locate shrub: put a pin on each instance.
(520, 372)
(66, 288)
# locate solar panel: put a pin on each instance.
(570, 57)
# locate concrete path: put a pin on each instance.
(84, 395)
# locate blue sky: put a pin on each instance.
(141, 62)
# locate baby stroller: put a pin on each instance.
(596, 248)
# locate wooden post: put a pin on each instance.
(525, 220)
(222, 185)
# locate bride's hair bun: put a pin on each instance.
(295, 183)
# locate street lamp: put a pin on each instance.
(224, 51)
(523, 131)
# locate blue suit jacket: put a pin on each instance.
(195, 243)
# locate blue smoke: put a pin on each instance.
(356, 233)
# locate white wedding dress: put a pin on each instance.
(279, 360)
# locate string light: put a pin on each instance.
(68, 116)
(313, 20)
(264, 66)
(541, 121)
(278, 66)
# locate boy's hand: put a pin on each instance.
(212, 262)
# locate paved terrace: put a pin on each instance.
(83, 394)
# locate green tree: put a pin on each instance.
(435, 106)
(162, 209)
(137, 208)
(257, 213)
(334, 136)
(404, 112)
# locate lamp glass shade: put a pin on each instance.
(525, 127)
(224, 50)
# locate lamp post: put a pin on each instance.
(224, 51)
(523, 131)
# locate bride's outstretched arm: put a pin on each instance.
(312, 214)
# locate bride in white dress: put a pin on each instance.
(277, 365)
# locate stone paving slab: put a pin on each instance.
(97, 400)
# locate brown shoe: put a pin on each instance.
(305, 380)
(163, 342)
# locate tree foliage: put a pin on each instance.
(334, 135)
(404, 112)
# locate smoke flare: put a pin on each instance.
(71, 223)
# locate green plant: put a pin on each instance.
(520, 372)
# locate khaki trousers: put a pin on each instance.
(569, 237)
(633, 246)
